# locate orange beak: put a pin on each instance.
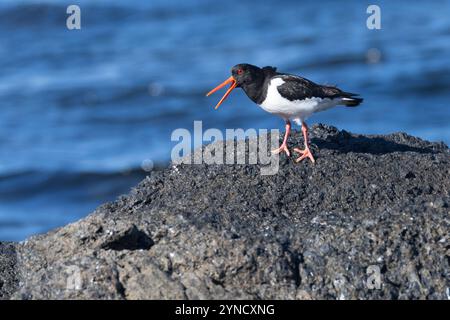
(223, 84)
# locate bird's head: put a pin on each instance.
(241, 75)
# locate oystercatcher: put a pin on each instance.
(289, 96)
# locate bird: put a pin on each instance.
(291, 97)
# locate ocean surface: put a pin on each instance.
(85, 114)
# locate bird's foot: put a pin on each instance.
(306, 153)
(282, 148)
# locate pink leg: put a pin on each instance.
(283, 146)
(305, 153)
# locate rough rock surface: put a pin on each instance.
(226, 231)
(8, 272)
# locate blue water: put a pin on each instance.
(81, 110)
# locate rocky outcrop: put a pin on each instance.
(370, 220)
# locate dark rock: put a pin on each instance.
(130, 239)
(8, 271)
(368, 221)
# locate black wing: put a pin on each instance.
(298, 88)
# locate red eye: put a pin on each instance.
(239, 71)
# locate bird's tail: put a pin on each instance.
(350, 100)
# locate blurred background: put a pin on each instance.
(85, 114)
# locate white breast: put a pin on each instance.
(297, 109)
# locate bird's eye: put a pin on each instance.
(239, 71)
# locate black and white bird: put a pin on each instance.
(291, 97)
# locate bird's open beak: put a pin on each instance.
(232, 86)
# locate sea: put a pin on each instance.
(87, 113)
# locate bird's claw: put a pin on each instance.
(282, 148)
(306, 153)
